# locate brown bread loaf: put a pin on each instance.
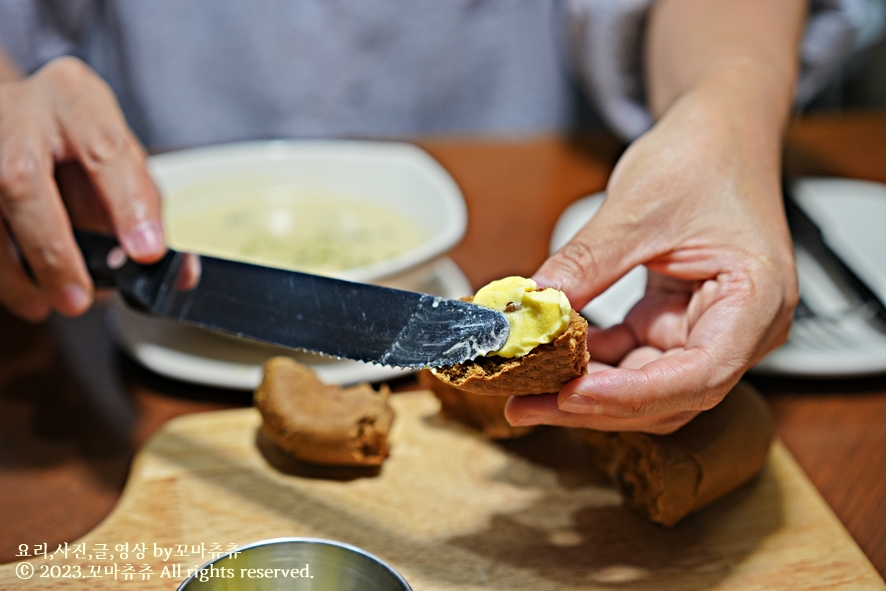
(667, 477)
(321, 424)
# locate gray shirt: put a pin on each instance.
(191, 72)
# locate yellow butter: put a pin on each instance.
(536, 317)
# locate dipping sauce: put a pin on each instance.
(283, 226)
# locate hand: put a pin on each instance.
(65, 115)
(697, 200)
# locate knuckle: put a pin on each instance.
(17, 171)
(69, 72)
(48, 259)
(637, 409)
(107, 144)
(74, 82)
(634, 408)
(577, 258)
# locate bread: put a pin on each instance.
(667, 477)
(483, 413)
(322, 424)
(543, 370)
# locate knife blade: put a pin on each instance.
(298, 310)
(806, 233)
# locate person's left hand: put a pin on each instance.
(697, 200)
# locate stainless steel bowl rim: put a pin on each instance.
(322, 541)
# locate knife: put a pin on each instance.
(297, 310)
(807, 234)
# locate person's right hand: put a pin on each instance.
(62, 127)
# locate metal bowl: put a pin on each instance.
(306, 564)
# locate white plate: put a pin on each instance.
(840, 341)
(198, 356)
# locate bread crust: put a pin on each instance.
(668, 477)
(544, 370)
(321, 424)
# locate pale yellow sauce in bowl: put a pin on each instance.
(282, 225)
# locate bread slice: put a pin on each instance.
(543, 370)
(321, 424)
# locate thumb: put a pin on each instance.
(601, 252)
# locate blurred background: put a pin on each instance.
(861, 82)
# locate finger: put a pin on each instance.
(660, 318)
(30, 202)
(640, 357)
(695, 378)
(634, 359)
(97, 135)
(612, 344)
(543, 410)
(597, 366)
(17, 292)
(599, 254)
(684, 381)
(739, 321)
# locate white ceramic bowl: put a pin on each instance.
(392, 175)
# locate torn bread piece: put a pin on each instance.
(667, 477)
(550, 350)
(483, 413)
(322, 424)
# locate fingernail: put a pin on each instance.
(75, 299)
(545, 281)
(526, 420)
(579, 403)
(145, 241)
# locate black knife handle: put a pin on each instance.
(144, 287)
(95, 249)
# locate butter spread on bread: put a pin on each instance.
(541, 370)
(537, 316)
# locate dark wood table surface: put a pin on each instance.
(73, 410)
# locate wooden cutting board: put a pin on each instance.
(451, 511)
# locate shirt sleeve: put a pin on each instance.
(35, 31)
(606, 46)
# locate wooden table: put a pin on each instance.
(73, 410)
